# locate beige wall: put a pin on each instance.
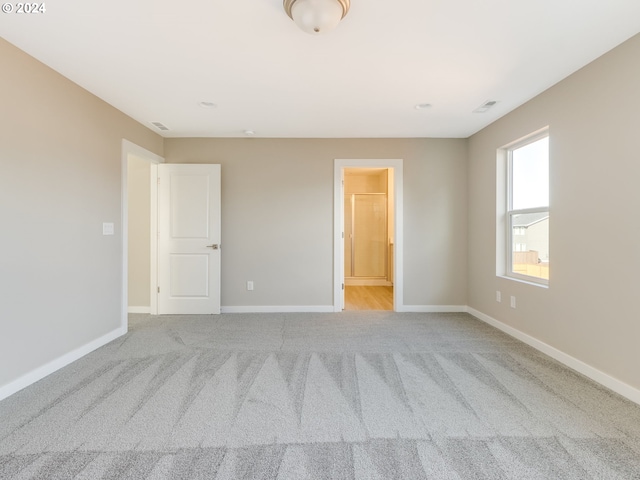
(60, 179)
(588, 310)
(139, 202)
(277, 215)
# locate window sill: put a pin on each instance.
(525, 281)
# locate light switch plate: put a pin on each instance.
(108, 228)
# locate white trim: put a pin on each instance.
(434, 308)
(528, 138)
(138, 151)
(60, 362)
(523, 279)
(579, 366)
(338, 240)
(279, 309)
(153, 237)
(124, 228)
(139, 309)
(131, 149)
(338, 222)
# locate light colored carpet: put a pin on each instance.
(375, 395)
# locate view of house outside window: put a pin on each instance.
(528, 210)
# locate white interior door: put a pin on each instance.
(188, 239)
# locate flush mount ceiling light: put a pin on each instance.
(316, 16)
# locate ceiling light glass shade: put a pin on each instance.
(316, 16)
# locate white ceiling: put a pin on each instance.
(157, 59)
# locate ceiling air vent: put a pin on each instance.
(160, 126)
(485, 106)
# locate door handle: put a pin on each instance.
(215, 246)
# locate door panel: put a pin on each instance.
(189, 198)
(188, 239)
(189, 275)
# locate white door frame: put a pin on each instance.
(338, 227)
(129, 150)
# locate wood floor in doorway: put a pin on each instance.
(368, 298)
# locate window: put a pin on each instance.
(527, 209)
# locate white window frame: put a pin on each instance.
(510, 211)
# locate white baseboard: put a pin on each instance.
(433, 308)
(139, 310)
(594, 374)
(279, 309)
(60, 362)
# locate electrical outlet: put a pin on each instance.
(250, 285)
(498, 296)
(513, 301)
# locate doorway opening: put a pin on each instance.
(139, 167)
(368, 238)
(368, 235)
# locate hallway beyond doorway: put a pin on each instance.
(368, 298)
